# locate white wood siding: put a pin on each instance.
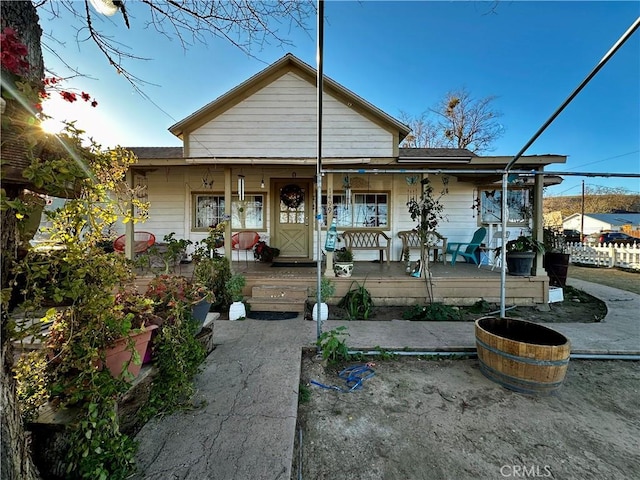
(280, 121)
(171, 209)
(167, 203)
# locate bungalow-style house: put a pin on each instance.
(251, 154)
(598, 222)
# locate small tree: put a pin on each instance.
(427, 212)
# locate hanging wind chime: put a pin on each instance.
(346, 185)
(445, 184)
(412, 187)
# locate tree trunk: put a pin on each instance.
(15, 458)
(15, 455)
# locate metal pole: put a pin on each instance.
(320, 75)
(582, 216)
(499, 171)
(503, 249)
(587, 79)
(594, 71)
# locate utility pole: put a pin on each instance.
(582, 216)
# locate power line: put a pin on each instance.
(604, 159)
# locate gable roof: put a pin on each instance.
(288, 63)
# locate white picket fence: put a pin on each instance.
(605, 255)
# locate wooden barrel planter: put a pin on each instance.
(522, 356)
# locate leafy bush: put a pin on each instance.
(234, 287)
(432, 312)
(334, 348)
(327, 289)
(357, 302)
(178, 356)
(213, 274)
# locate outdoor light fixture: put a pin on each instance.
(241, 187)
(262, 181)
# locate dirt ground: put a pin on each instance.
(430, 419)
(442, 419)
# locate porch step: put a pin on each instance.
(280, 298)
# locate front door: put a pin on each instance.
(291, 218)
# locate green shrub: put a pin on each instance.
(432, 312)
(334, 349)
(357, 302)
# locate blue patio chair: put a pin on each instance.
(466, 250)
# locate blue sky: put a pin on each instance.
(400, 56)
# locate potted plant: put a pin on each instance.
(327, 290)
(234, 287)
(141, 310)
(173, 252)
(555, 260)
(520, 254)
(264, 253)
(343, 266)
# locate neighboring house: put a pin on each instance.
(597, 222)
(260, 140)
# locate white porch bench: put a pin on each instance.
(368, 239)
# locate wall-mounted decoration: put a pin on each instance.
(292, 196)
(412, 187)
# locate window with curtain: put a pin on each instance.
(247, 214)
(518, 204)
(208, 210)
(370, 209)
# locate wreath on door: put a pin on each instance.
(292, 196)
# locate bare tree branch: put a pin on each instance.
(466, 122)
(243, 23)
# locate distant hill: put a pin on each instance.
(607, 203)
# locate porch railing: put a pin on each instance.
(605, 255)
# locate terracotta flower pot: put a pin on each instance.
(119, 354)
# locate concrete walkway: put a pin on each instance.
(249, 386)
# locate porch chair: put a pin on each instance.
(244, 241)
(494, 245)
(141, 242)
(470, 248)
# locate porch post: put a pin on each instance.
(129, 234)
(227, 213)
(538, 228)
(328, 272)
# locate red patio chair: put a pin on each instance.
(141, 242)
(244, 241)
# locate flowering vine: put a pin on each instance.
(13, 53)
(14, 60)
